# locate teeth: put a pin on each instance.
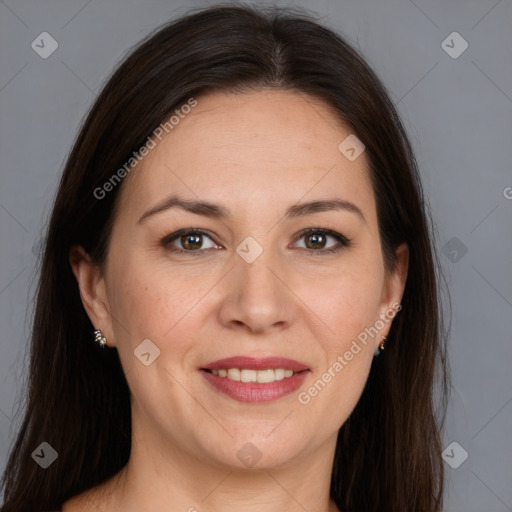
(246, 375)
(266, 375)
(234, 374)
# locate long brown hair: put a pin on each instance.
(388, 454)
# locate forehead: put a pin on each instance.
(264, 149)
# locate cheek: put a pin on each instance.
(347, 301)
(148, 305)
(150, 300)
(136, 303)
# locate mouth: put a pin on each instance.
(247, 379)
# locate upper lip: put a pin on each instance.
(256, 363)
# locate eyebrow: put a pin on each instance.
(217, 211)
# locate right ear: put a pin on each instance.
(91, 284)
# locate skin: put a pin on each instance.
(257, 154)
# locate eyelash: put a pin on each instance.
(343, 242)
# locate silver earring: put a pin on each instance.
(99, 338)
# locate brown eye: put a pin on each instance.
(322, 241)
(189, 240)
(315, 241)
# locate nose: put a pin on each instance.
(257, 298)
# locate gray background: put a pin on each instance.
(457, 113)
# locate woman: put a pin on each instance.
(238, 303)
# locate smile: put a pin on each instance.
(248, 379)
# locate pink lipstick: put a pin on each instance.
(249, 379)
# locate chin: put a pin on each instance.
(258, 453)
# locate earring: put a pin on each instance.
(380, 348)
(99, 338)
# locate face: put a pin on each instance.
(256, 275)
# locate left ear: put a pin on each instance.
(393, 289)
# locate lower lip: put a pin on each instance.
(256, 391)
